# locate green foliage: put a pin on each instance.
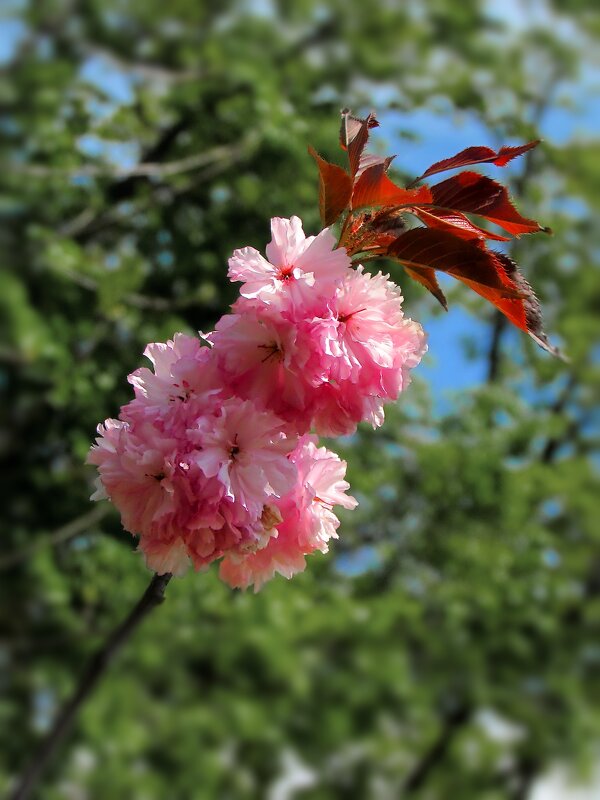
(477, 589)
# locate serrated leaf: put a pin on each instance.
(354, 135)
(426, 248)
(335, 189)
(477, 194)
(457, 223)
(478, 155)
(492, 275)
(374, 188)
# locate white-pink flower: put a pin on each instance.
(138, 473)
(327, 365)
(298, 267)
(369, 347)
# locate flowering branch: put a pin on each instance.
(217, 457)
(152, 597)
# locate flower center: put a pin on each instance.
(349, 315)
(158, 477)
(285, 273)
(185, 390)
(234, 449)
(272, 350)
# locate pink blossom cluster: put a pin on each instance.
(214, 457)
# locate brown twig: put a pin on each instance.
(494, 353)
(152, 597)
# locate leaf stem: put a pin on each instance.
(344, 228)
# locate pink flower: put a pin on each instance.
(138, 473)
(246, 451)
(266, 357)
(371, 333)
(182, 368)
(298, 267)
(327, 366)
(164, 555)
(370, 348)
(192, 469)
(205, 462)
(308, 521)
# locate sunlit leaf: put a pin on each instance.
(335, 189)
(478, 155)
(354, 135)
(478, 194)
(374, 188)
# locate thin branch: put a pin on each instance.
(79, 223)
(87, 223)
(11, 356)
(528, 772)
(216, 161)
(494, 352)
(62, 534)
(436, 753)
(520, 779)
(134, 299)
(152, 597)
(146, 169)
(149, 70)
(554, 442)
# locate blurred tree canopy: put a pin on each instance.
(445, 647)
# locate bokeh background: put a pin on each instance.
(448, 645)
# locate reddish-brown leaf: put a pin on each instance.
(478, 155)
(477, 194)
(513, 308)
(456, 223)
(374, 188)
(423, 247)
(369, 160)
(451, 242)
(492, 275)
(335, 189)
(531, 306)
(426, 277)
(354, 135)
